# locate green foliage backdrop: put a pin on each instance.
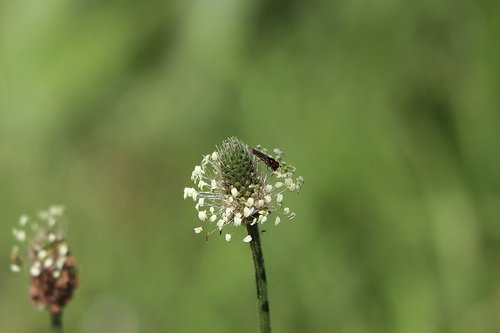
(389, 109)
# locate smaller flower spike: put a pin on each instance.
(44, 252)
(240, 185)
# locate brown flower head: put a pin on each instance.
(53, 275)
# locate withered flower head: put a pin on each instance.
(44, 252)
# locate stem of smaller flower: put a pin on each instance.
(56, 322)
(260, 279)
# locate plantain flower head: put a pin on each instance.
(238, 185)
(43, 251)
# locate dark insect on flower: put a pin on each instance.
(270, 162)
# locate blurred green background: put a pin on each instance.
(389, 109)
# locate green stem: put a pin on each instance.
(260, 279)
(56, 322)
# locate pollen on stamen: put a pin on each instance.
(202, 215)
(20, 235)
(237, 219)
(247, 211)
(23, 220)
(15, 268)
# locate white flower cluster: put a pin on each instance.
(246, 194)
(42, 241)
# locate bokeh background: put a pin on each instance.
(389, 109)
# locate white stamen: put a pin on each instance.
(63, 249)
(23, 220)
(190, 192)
(48, 262)
(202, 184)
(220, 224)
(197, 172)
(56, 210)
(247, 211)
(237, 219)
(51, 221)
(201, 203)
(20, 235)
(60, 262)
(202, 215)
(35, 269)
(42, 254)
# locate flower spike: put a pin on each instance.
(44, 253)
(240, 185)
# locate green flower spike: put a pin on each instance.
(237, 185)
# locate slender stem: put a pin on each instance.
(260, 279)
(56, 322)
